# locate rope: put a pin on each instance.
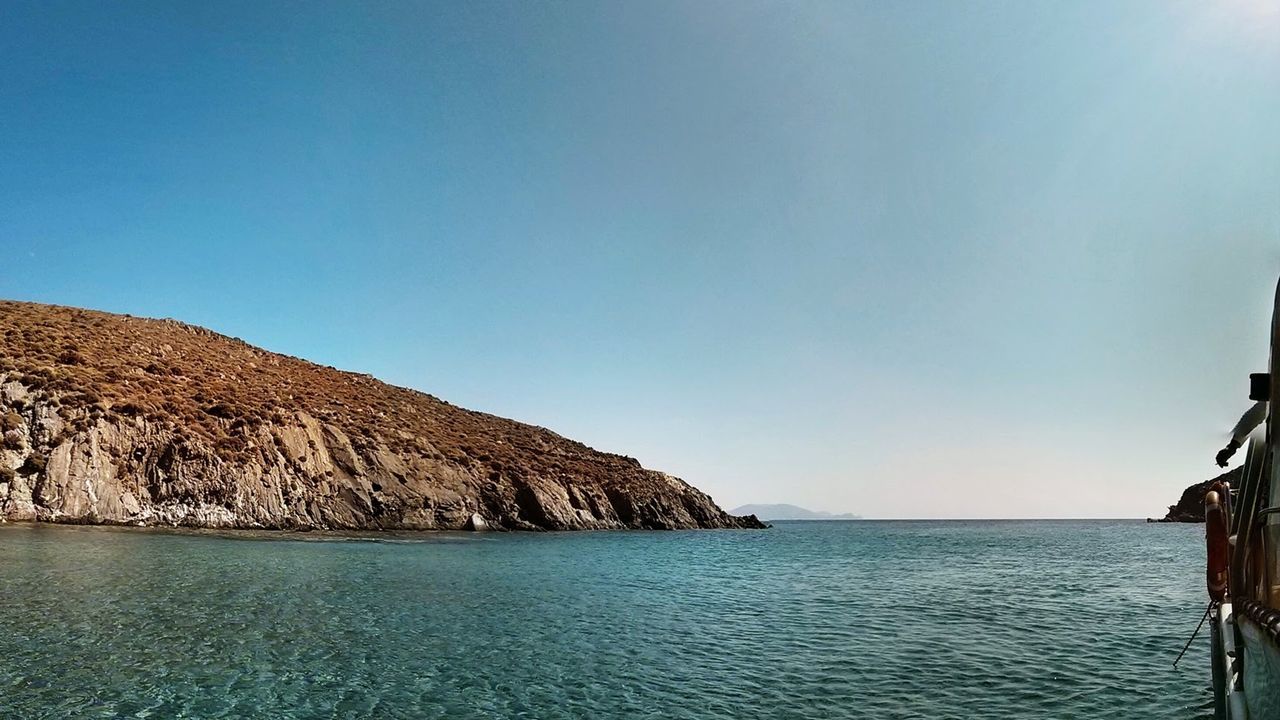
(1190, 640)
(1266, 618)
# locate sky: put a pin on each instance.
(926, 259)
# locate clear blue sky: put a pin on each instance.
(903, 259)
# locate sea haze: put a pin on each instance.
(872, 619)
(790, 512)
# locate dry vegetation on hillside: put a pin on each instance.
(111, 418)
(217, 390)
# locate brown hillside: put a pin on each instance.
(112, 418)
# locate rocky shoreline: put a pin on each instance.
(1190, 507)
(109, 419)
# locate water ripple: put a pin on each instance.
(807, 620)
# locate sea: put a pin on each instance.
(821, 620)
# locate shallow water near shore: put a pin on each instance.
(860, 619)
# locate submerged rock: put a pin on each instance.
(121, 420)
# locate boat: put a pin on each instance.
(1242, 539)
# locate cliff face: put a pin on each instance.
(1190, 507)
(113, 419)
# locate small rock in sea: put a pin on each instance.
(477, 523)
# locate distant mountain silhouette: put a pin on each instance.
(790, 512)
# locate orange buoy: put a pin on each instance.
(1215, 533)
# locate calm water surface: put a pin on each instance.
(1057, 619)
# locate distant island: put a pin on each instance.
(790, 512)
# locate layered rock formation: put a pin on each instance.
(1190, 507)
(114, 419)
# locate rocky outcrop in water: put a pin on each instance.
(1190, 507)
(114, 419)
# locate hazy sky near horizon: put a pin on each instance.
(928, 259)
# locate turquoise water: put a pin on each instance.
(1055, 619)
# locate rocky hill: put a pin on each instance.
(1190, 507)
(115, 419)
